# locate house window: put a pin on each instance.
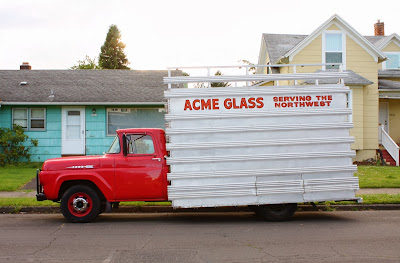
(20, 117)
(123, 118)
(393, 61)
(333, 49)
(33, 119)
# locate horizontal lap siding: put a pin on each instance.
(361, 62)
(49, 140)
(97, 140)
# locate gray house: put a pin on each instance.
(76, 112)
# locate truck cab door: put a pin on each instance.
(138, 175)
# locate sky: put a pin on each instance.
(52, 34)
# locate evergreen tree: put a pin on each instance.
(112, 54)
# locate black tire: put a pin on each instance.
(80, 204)
(275, 212)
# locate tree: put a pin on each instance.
(219, 84)
(87, 63)
(13, 145)
(213, 84)
(251, 69)
(112, 54)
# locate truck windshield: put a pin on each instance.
(114, 148)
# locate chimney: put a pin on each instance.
(379, 28)
(25, 66)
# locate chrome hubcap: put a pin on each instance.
(80, 204)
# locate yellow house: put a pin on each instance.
(374, 73)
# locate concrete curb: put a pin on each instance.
(170, 209)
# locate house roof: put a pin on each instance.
(389, 73)
(382, 41)
(385, 84)
(284, 45)
(83, 86)
(353, 79)
(280, 44)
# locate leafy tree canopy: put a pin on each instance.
(87, 63)
(219, 84)
(112, 54)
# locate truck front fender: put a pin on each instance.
(64, 181)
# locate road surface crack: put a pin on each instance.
(51, 242)
(147, 242)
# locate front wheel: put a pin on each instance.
(80, 204)
(275, 212)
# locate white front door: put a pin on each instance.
(383, 118)
(73, 130)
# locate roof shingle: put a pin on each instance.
(136, 86)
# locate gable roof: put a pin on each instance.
(287, 46)
(83, 87)
(353, 79)
(383, 41)
(385, 84)
(389, 73)
(279, 44)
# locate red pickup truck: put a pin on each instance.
(134, 170)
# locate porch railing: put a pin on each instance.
(390, 146)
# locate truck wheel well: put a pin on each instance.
(68, 184)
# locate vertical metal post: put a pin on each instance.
(341, 81)
(169, 75)
(294, 72)
(247, 73)
(208, 74)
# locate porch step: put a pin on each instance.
(388, 158)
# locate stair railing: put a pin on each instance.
(390, 146)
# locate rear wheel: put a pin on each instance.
(80, 204)
(276, 212)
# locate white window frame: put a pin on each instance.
(29, 118)
(343, 47)
(384, 62)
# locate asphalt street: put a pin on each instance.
(360, 236)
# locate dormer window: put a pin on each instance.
(393, 61)
(333, 49)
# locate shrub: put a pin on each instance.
(12, 148)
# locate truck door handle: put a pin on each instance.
(156, 159)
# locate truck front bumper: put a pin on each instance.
(40, 196)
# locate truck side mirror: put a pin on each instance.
(124, 148)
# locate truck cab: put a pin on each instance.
(133, 169)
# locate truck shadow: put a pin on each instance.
(218, 217)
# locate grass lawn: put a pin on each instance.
(12, 177)
(378, 176)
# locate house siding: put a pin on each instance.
(97, 140)
(358, 120)
(361, 62)
(310, 54)
(49, 140)
(391, 47)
